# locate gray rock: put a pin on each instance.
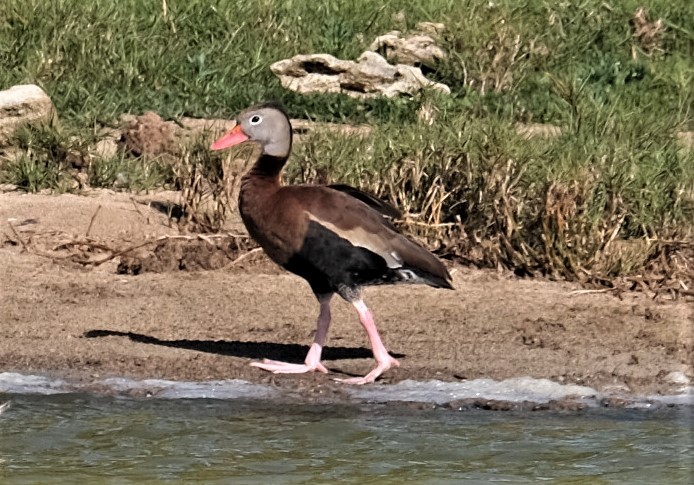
(369, 76)
(414, 50)
(22, 105)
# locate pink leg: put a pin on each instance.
(312, 362)
(383, 359)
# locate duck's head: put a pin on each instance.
(267, 124)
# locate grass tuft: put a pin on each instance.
(204, 190)
(45, 160)
(33, 175)
(135, 174)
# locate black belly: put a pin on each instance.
(332, 264)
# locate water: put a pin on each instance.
(76, 437)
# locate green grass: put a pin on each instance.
(51, 157)
(44, 161)
(34, 174)
(136, 174)
(99, 58)
(547, 207)
(555, 206)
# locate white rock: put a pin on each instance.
(413, 50)
(677, 377)
(105, 148)
(371, 75)
(8, 188)
(21, 105)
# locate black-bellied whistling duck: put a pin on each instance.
(337, 238)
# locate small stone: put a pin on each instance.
(121, 180)
(8, 187)
(22, 105)
(82, 179)
(76, 159)
(105, 149)
(614, 402)
(677, 377)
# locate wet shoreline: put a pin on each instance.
(515, 394)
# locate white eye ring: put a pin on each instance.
(256, 120)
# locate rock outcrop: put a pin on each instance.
(369, 76)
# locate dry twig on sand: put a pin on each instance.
(92, 244)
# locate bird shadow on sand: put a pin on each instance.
(250, 350)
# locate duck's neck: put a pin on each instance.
(257, 188)
(267, 168)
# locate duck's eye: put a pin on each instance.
(256, 119)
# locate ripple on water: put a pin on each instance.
(74, 437)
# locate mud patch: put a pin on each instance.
(149, 135)
(192, 255)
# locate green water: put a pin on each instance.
(79, 438)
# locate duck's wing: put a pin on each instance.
(364, 226)
(372, 201)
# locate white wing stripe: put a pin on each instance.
(360, 238)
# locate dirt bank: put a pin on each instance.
(207, 317)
